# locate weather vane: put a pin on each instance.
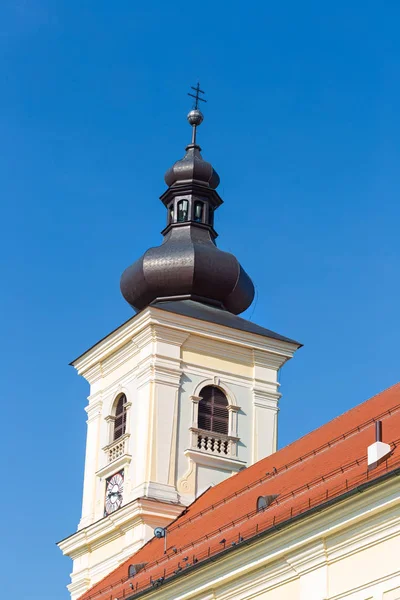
(197, 96)
(195, 117)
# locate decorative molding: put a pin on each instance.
(171, 336)
(187, 483)
(230, 378)
(221, 384)
(114, 466)
(195, 399)
(218, 349)
(94, 373)
(226, 463)
(100, 532)
(144, 337)
(261, 566)
(94, 410)
(124, 354)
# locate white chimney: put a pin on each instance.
(379, 450)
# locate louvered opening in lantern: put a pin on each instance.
(213, 410)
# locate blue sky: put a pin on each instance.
(301, 124)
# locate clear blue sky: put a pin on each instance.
(302, 124)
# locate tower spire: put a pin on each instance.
(188, 265)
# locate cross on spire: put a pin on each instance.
(197, 96)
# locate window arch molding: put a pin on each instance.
(118, 422)
(233, 406)
(216, 382)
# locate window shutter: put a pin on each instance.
(213, 410)
(120, 418)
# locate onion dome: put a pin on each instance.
(188, 264)
(192, 167)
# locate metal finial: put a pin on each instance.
(197, 97)
(195, 117)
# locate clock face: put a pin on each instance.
(114, 489)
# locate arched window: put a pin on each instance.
(213, 410)
(198, 211)
(171, 213)
(183, 206)
(120, 417)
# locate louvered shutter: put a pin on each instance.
(120, 418)
(213, 410)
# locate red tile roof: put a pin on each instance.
(317, 468)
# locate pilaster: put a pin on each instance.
(94, 411)
(311, 566)
(265, 403)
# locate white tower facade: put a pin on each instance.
(160, 361)
(184, 394)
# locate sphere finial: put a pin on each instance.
(195, 117)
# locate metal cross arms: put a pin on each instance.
(197, 96)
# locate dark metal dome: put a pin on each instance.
(188, 264)
(192, 167)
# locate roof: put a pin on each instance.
(316, 469)
(203, 312)
(212, 314)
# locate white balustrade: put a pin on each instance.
(213, 443)
(116, 449)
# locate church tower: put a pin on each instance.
(182, 395)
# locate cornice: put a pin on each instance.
(152, 318)
(268, 359)
(79, 587)
(113, 526)
(93, 409)
(266, 399)
(112, 342)
(170, 336)
(365, 537)
(144, 337)
(94, 373)
(236, 573)
(159, 370)
(309, 558)
(116, 465)
(212, 460)
(222, 333)
(124, 354)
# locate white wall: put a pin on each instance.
(159, 361)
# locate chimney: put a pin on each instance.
(378, 451)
